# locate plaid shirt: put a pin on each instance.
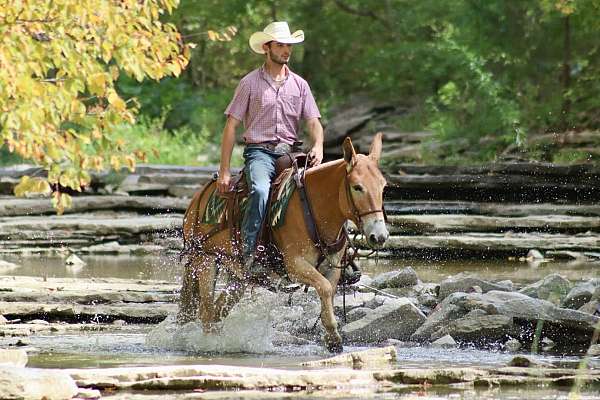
(269, 113)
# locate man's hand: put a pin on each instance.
(223, 181)
(315, 155)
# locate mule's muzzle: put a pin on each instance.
(376, 234)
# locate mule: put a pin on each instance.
(347, 189)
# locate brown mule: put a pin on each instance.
(341, 190)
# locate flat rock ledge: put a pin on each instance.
(223, 377)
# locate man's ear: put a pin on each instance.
(375, 151)
(349, 153)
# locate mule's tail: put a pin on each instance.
(192, 219)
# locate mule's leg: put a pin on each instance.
(303, 271)
(206, 267)
(189, 300)
(229, 297)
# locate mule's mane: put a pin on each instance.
(325, 166)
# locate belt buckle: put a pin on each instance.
(282, 148)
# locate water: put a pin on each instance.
(250, 336)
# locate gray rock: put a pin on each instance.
(427, 300)
(357, 313)
(33, 383)
(561, 325)
(74, 260)
(365, 280)
(582, 293)
(594, 350)
(444, 342)
(396, 279)
(476, 329)
(16, 358)
(592, 307)
(396, 319)
(528, 362)
(465, 283)
(513, 345)
(535, 255)
(377, 301)
(353, 300)
(553, 287)
(3, 320)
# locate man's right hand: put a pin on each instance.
(223, 181)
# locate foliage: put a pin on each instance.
(58, 64)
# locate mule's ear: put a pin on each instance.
(349, 153)
(375, 151)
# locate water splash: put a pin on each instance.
(247, 329)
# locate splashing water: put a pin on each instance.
(249, 328)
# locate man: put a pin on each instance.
(271, 101)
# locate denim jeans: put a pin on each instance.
(260, 171)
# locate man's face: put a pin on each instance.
(279, 53)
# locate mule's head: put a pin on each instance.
(364, 191)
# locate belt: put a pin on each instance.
(276, 147)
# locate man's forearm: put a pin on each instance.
(315, 131)
(227, 145)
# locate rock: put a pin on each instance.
(364, 283)
(33, 383)
(534, 254)
(594, 350)
(528, 362)
(88, 394)
(38, 322)
(353, 300)
(465, 282)
(358, 359)
(6, 267)
(396, 279)
(23, 342)
(561, 325)
(582, 293)
(408, 291)
(444, 342)
(553, 288)
(427, 300)
(3, 320)
(16, 358)
(593, 307)
(75, 261)
(357, 313)
(512, 345)
(478, 329)
(377, 301)
(119, 322)
(396, 319)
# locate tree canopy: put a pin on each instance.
(59, 61)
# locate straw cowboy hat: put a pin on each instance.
(277, 31)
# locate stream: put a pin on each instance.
(143, 344)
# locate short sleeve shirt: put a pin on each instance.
(271, 113)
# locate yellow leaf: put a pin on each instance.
(213, 36)
(130, 161)
(115, 162)
(116, 101)
(97, 83)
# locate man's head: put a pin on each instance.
(277, 52)
(274, 39)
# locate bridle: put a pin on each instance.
(355, 211)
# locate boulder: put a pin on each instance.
(445, 342)
(592, 307)
(75, 261)
(17, 358)
(513, 345)
(357, 313)
(396, 279)
(465, 283)
(358, 359)
(582, 293)
(553, 287)
(397, 319)
(561, 325)
(353, 300)
(33, 383)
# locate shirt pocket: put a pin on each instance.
(291, 105)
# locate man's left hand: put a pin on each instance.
(315, 155)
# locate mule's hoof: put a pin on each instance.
(335, 347)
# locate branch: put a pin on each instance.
(361, 13)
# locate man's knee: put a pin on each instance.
(260, 190)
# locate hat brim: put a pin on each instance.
(257, 39)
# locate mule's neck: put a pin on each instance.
(323, 185)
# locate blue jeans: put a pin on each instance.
(260, 171)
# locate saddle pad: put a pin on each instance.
(216, 209)
(281, 197)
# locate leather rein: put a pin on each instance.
(326, 249)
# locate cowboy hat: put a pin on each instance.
(277, 31)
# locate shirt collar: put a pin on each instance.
(268, 76)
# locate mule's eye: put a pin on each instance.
(358, 188)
